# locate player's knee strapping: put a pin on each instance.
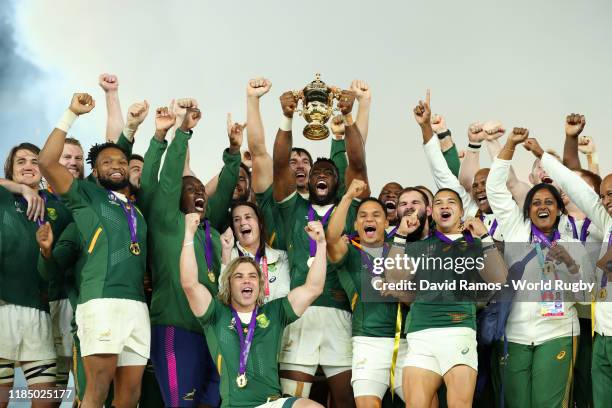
(7, 371)
(39, 372)
(295, 388)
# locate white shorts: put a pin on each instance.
(321, 336)
(275, 404)
(440, 349)
(25, 334)
(61, 318)
(372, 365)
(115, 326)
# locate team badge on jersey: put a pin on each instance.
(52, 212)
(263, 321)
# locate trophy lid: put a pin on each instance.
(317, 90)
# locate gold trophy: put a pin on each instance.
(317, 107)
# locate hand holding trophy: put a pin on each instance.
(317, 107)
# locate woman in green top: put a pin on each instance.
(243, 334)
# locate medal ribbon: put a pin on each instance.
(466, 234)
(584, 231)
(311, 217)
(572, 222)
(493, 226)
(391, 233)
(44, 197)
(208, 246)
(245, 343)
(130, 214)
(540, 239)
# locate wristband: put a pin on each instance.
(66, 120)
(444, 134)
(474, 147)
(286, 124)
(489, 247)
(129, 133)
(483, 236)
(348, 119)
(399, 240)
(188, 243)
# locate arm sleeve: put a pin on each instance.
(64, 255)
(171, 176)
(272, 221)
(452, 160)
(219, 203)
(444, 177)
(507, 212)
(579, 192)
(125, 144)
(338, 156)
(150, 171)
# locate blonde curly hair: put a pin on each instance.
(225, 294)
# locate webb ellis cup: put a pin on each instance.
(317, 107)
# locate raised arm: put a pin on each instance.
(576, 188)
(586, 146)
(114, 118)
(471, 161)
(574, 125)
(284, 179)
(57, 175)
(447, 146)
(355, 149)
(495, 269)
(506, 210)
(137, 112)
(198, 296)
(303, 296)
(261, 176)
(336, 245)
(364, 98)
(422, 115)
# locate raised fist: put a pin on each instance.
(235, 132)
(191, 119)
(475, 226)
(476, 132)
(337, 126)
(493, 130)
(108, 82)
(438, 124)
(361, 90)
(346, 101)
(315, 231)
(574, 124)
(180, 107)
(422, 112)
(44, 237)
(81, 103)
(356, 188)
(164, 118)
(288, 103)
(192, 222)
(137, 113)
(258, 87)
(532, 145)
(518, 135)
(227, 239)
(586, 145)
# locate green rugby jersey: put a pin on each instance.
(294, 215)
(373, 315)
(262, 364)
(20, 282)
(110, 270)
(169, 305)
(435, 308)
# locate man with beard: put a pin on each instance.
(375, 333)
(242, 192)
(323, 335)
(414, 201)
(112, 317)
(475, 205)
(182, 362)
(389, 196)
(135, 165)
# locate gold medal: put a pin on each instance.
(603, 293)
(310, 261)
(135, 248)
(241, 380)
(211, 276)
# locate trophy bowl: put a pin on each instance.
(317, 107)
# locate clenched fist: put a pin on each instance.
(227, 239)
(192, 222)
(356, 188)
(518, 135)
(164, 118)
(258, 87)
(586, 145)
(346, 101)
(438, 124)
(337, 127)
(44, 237)
(81, 103)
(288, 103)
(476, 133)
(574, 124)
(361, 90)
(180, 108)
(493, 130)
(315, 231)
(108, 82)
(137, 113)
(532, 145)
